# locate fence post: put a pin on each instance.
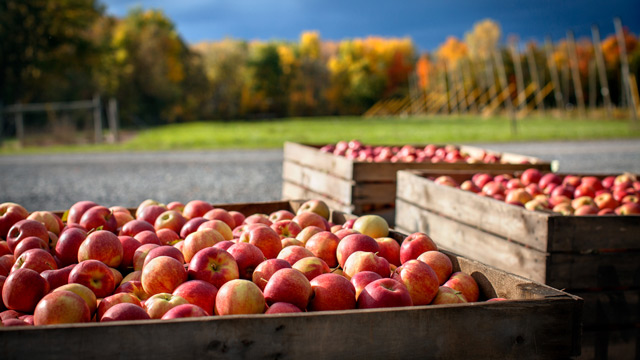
(624, 63)
(602, 71)
(113, 119)
(575, 73)
(19, 125)
(1, 121)
(553, 71)
(97, 119)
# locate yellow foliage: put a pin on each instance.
(310, 44)
(483, 40)
(452, 50)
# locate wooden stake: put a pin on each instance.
(114, 120)
(522, 101)
(575, 73)
(505, 86)
(553, 72)
(602, 71)
(97, 119)
(593, 83)
(472, 87)
(624, 63)
(533, 69)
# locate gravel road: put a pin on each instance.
(55, 182)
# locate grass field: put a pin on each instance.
(383, 130)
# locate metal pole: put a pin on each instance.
(624, 63)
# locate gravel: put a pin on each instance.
(56, 181)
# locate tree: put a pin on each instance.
(483, 39)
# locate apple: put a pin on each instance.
(170, 219)
(307, 233)
(238, 217)
(23, 229)
(35, 259)
(147, 237)
(4, 248)
(213, 265)
(247, 256)
(265, 238)
(383, 293)
(445, 180)
(372, 225)
(61, 307)
(191, 226)
(133, 287)
(518, 196)
(629, 208)
(6, 263)
(365, 261)
(159, 304)
(324, 245)
(563, 208)
(565, 190)
(222, 215)
(57, 277)
(464, 283)
(281, 215)
(549, 178)
(592, 182)
(98, 217)
(584, 190)
(307, 218)
(414, 245)
(22, 290)
(10, 213)
(586, 209)
(481, 179)
(515, 183)
(635, 198)
(362, 279)
(291, 242)
(536, 204)
(117, 276)
(78, 209)
(225, 245)
(140, 254)
(420, 279)
(124, 312)
(84, 292)
(349, 224)
(291, 254)
(531, 176)
(50, 220)
(196, 208)
(238, 297)
(133, 227)
(95, 275)
(167, 236)
(163, 250)
(129, 247)
(583, 200)
(66, 249)
(28, 243)
(439, 262)
(199, 240)
(219, 226)
(257, 219)
(199, 293)
(311, 267)
(122, 217)
(263, 272)
(150, 213)
(162, 275)
(332, 292)
(176, 205)
(468, 185)
(286, 228)
(118, 298)
(184, 311)
(282, 308)
(315, 206)
(290, 286)
(101, 245)
(447, 295)
(352, 243)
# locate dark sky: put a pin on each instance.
(427, 22)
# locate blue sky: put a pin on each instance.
(427, 22)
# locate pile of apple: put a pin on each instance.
(355, 150)
(192, 260)
(566, 195)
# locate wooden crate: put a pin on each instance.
(360, 187)
(594, 257)
(538, 322)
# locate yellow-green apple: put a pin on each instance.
(84, 292)
(61, 307)
(290, 242)
(263, 272)
(134, 287)
(355, 242)
(6, 263)
(324, 245)
(129, 247)
(147, 237)
(176, 205)
(247, 256)
(332, 292)
(365, 261)
(99, 217)
(371, 225)
(282, 308)
(57, 277)
(281, 215)
(414, 245)
(311, 267)
(629, 208)
(140, 254)
(291, 254)
(191, 226)
(265, 238)
(563, 208)
(23, 229)
(530, 176)
(199, 240)
(133, 227)
(439, 262)
(158, 304)
(307, 233)
(213, 265)
(35, 259)
(468, 185)
(222, 215)
(199, 293)
(586, 209)
(288, 285)
(383, 293)
(28, 243)
(78, 209)
(362, 279)
(518, 196)
(69, 242)
(170, 219)
(238, 297)
(447, 295)
(163, 250)
(464, 283)
(307, 218)
(22, 290)
(10, 213)
(536, 204)
(316, 206)
(103, 246)
(150, 213)
(286, 228)
(445, 180)
(389, 249)
(238, 217)
(125, 312)
(167, 236)
(118, 298)
(162, 275)
(420, 279)
(196, 208)
(184, 311)
(257, 219)
(95, 275)
(219, 226)
(50, 220)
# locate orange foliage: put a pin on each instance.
(610, 48)
(424, 67)
(452, 50)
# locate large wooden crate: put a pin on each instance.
(538, 322)
(594, 257)
(361, 187)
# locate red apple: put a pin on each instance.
(150, 213)
(57, 277)
(307, 233)
(307, 218)
(147, 237)
(586, 209)
(170, 219)
(103, 246)
(162, 275)
(446, 180)
(167, 236)
(531, 176)
(493, 188)
(159, 304)
(257, 219)
(629, 208)
(35, 259)
(69, 242)
(196, 208)
(447, 295)
(481, 179)
(129, 247)
(22, 290)
(324, 245)
(464, 283)
(247, 256)
(118, 298)
(238, 297)
(282, 308)
(61, 307)
(517, 196)
(222, 215)
(592, 182)
(28, 243)
(184, 311)
(133, 287)
(439, 262)
(191, 226)
(84, 292)
(140, 254)
(98, 217)
(332, 292)
(286, 228)
(23, 229)
(421, 281)
(362, 279)
(219, 226)
(238, 217)
(291, 254)
(199, 240)
(311, 267)
(122, 217)
(78, 209)
(384, 293)
(468, 185)
(365, 261)
(355, 242)
(95, 275)
(281, 215)
(10, 213)
(563, 208)
(50, 220)
(176, 205)
(549, 178)
(125, 312)
(266, 269)
(199, 293)
(414, 245)
(213, 265)
(290, 286)
(265, 238)
(6, 263)
(133, 227)
(163, 250)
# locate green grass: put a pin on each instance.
(381, 130)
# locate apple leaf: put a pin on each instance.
(65, 215)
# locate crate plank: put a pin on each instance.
(610, 308)
(323, 183)
(294, 191)
(311, 157)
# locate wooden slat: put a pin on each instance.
(320, 182)
(610, 308)
(594, 271)
(374, 193)
(294, 191)
(310, 156)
